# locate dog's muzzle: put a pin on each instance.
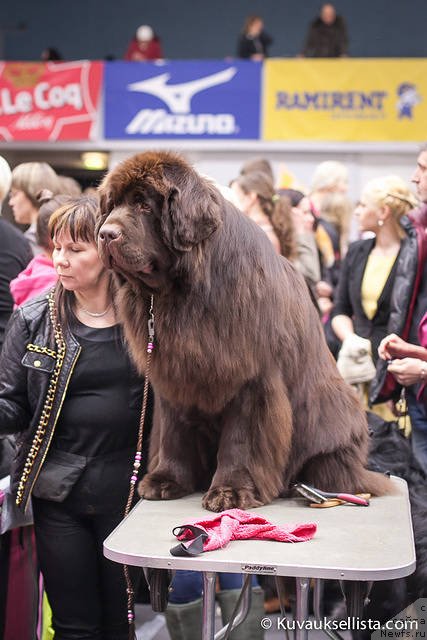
(108, 236)
(108, 233)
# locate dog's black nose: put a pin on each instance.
(109, 232)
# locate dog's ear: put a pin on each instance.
(105, 200)
(191, 213)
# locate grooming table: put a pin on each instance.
(356, 545)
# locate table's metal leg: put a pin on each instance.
(318, 598)
(301, 608)
(356, 595)
(208, 620)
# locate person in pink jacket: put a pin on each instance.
(40, 274)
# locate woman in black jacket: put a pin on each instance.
(70, 393)
(362, 301)
(254, 41)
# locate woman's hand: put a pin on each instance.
(408, 371)
(324, 289)
(391, 346)
(325, 305)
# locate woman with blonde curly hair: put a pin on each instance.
(362, 302)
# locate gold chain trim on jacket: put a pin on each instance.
(38, 349)
(48, 404)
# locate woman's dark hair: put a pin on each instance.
(78, 217)
(294, 195)
(50, 54)
(48, 204)
(275, 207)
(258, 164)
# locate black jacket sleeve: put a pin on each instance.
(15, 411)
(266, 40)
(342, 299)
(15, 254)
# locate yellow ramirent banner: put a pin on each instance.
(345, 100)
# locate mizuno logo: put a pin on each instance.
(178, 96)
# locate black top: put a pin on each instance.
(248, 46)
(101, 410)
(15, 254)
(326, 40)
(98, 424)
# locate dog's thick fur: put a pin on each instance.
(248, 397)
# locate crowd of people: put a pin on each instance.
(326, 37)
(64, 342)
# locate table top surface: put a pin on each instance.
(351, 543)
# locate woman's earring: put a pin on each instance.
(380, 223)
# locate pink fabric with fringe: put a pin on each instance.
(235, 524)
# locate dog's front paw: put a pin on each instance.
(223, 498)
(159, 487)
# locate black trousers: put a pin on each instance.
(86, 591)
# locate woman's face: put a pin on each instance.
(23, 209)
(305, 213)
(255, 28)
(368, 215)
(77, 263)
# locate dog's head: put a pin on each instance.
(154, 208)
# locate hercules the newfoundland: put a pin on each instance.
(247, 396)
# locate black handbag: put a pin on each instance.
(11, 516)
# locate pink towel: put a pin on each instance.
(235, 524)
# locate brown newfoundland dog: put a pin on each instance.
(247, 396)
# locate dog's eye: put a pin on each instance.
(145, 209)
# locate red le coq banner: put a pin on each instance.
(49, 101)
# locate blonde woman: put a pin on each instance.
(28, 179)
(362, 302)
(330, 205)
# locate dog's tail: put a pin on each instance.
(377, 484)
(344, 471)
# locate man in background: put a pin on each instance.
(327, 35)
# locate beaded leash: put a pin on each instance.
(137, 465)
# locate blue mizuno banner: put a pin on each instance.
(183, 99)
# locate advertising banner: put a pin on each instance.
(345, 100)
(49, 101)
(182, 99)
